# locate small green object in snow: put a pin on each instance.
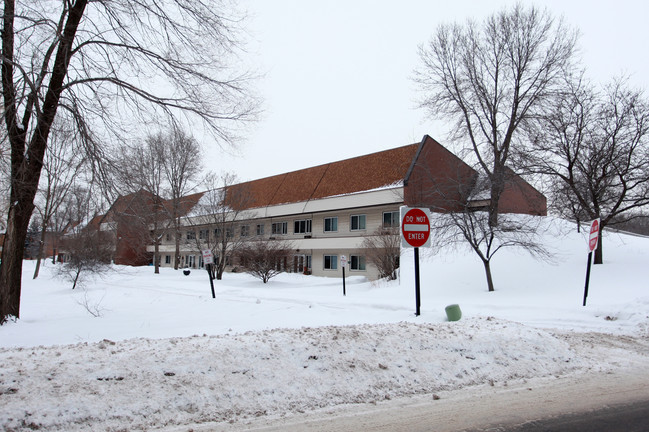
(453, 312)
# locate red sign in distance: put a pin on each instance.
(594, 235)
(415, 227)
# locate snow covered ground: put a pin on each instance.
(162, 352)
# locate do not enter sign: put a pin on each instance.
(594, 235)
(415, 227)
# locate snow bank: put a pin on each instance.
(144, 383)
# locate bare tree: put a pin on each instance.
(472, 228)
(86, 253)
(383, 250)
(61, 168)
(86, 248)
(489, 79)
(181, 165)
(263, 258)
(595, 145)
(148, 175)
(218, 216)
(110, 65)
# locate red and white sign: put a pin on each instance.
(208, 258)
(415, 227)
(594, 235)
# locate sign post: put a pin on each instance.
(593, 239)
(208, 260)
(415, 233)
(343, 264)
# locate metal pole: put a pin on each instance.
(417, 295)
(344, 293)
(590, 255)
(209, 274)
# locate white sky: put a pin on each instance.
(338, 73)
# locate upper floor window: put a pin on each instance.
(202, 234)
(280, 228)
(391, 219)
(357, 222)
(191, 235)
(302, 226)
(260, 229)
(331, 224)
(245, 230)
(229, 232)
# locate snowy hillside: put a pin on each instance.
(163, 352)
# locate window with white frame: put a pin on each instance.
(391, 219)
(357, 222)
(229, 232)
(202, 234)
(167, 259)
(302, 226)
(331, 262)
(260, 229)
(357, 262)
(280, 228)
(245, 230)
(191, 235)
(331, 224)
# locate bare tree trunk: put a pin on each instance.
(156, 247)
(39, 257)
(177, 251)
(12, 259)
(599, 256)
(487, 269)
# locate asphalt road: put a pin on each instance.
(604, 401)
(633, 417)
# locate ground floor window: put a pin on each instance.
(357, 262)
(331, 262)
(167, 259)
(302, 264)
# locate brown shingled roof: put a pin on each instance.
(357, 174)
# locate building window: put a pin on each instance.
(202, 234)
(167, 259)
(302, 226)
(280, 228)
(331, 224)
(357, 222)
(245, 230)
(260, 229)
(191, 235)
(357, 262)
(391, 219)
(331, 262)
(229, 232)
(217, 233)
(168, 237)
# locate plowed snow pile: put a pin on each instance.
(144, 383)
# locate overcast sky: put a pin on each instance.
(338, 73)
